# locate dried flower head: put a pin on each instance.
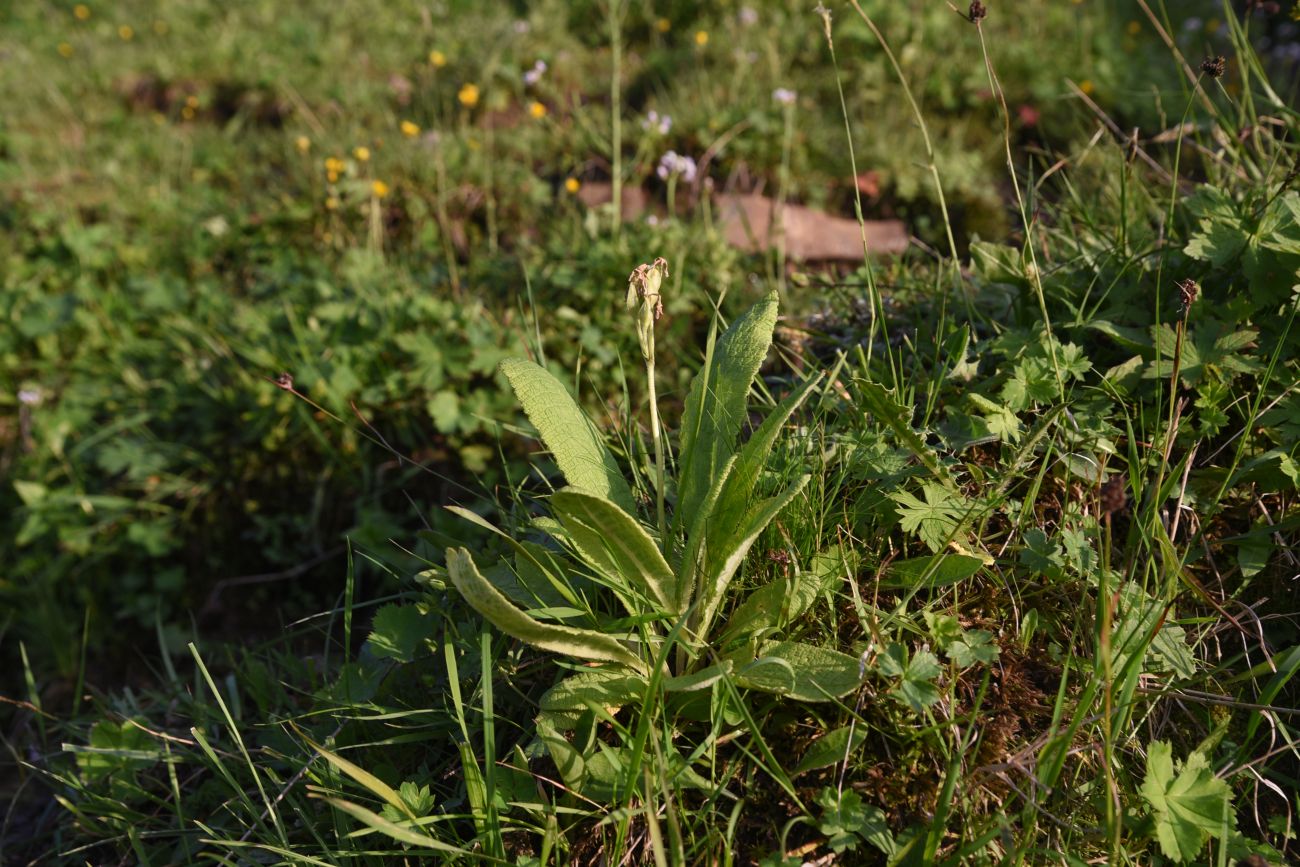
(1189, 290)
(977, 12)
(1215, 66)
(643, 285)
(285, 381)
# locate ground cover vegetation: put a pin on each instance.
(359, 507)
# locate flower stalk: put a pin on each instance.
(643, 296)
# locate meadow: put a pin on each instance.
(631, 432)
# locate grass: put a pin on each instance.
(1047, 534)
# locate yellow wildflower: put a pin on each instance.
(537, 110)
(192, 101)
(1087, 86)
(410, 129)
(1213, 25)
(1134, 28)
(468, 95)
(81, 11)
(333, 168)
(362, 153)
(332, 203)
(126, 33)
(303, 144)
(65, 49)
(701, 38)
(663, 25)
(379, 188)
(437, 59)
(188, 112)
(572, 185)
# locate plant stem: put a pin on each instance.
(657, 440)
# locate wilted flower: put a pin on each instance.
(655, 121)
(535, 74)
(537, 110)
(673, 163)
(468, 95)
(784, 96)
(410, 129)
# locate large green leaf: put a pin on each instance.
(602, 687)
(819, 673)
(578, 446)
(722, 562)
(717, 402)
(497, 610)
(738, 490)
(613, 542)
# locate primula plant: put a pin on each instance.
(670, 577)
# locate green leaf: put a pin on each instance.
(613, 542)
(898, 418)
(607, 688)
(938, 570)
(699, 680)
(1188, 807)
(723, 563)
(717, 403)
(398, 632)
(831, 748)
(818, 673)
(915, 675)
(497, 610)
(738, 489)
(975, 645)
(846, 819)
(933, 520)
(782, 601)
(578, 446)
(115, 748)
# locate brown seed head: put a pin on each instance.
(285, 381)
(1214, 66)
(1190, 290)
(977, 12)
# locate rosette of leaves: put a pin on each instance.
(667, 640)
